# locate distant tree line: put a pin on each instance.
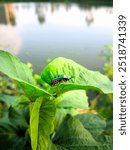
(80, 2)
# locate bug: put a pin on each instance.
(59, 78)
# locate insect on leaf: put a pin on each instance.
(82, 77)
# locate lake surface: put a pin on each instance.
(40, 32)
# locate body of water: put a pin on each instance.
(40, 32)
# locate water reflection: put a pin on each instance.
(40, 13)
(7, 14)
(38, 31)
(7, 11)
(89, 17)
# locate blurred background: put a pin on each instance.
(38, 32)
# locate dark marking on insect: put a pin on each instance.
(59, 78)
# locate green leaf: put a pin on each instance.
(11, 66)
(109, 127)
(92, 122)
(82, 78)
(41, 123)
(17, 118)
(106, 142)
(21, 102)
(32, 91)
(74, 99)
(61, 113)
(9, 100)
(11, 137)
(73, 136)
(17, 106)
(53, 146)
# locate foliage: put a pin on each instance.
(41, 123)
(14, 129)
(108, 66)
(8, 86)
(101, 102)
(73, 134)
(74, 99)
(45, 117)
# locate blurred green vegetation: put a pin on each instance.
(101, 102)
(108, 66)
(8, 86)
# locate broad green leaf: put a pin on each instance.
(74, 99)
(18, 106)
(11, 137)
(57, 147)
(32, 91)
(93, 123)
(106, 142)
(53, 146)
(61, 113)
(109, 127)
(11, 66)
(73, 136)
(82, 78)
(41, 123)
(17, 118)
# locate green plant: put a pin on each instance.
(107, 53)
(102, 102)
(45, 117)
(8, 86)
